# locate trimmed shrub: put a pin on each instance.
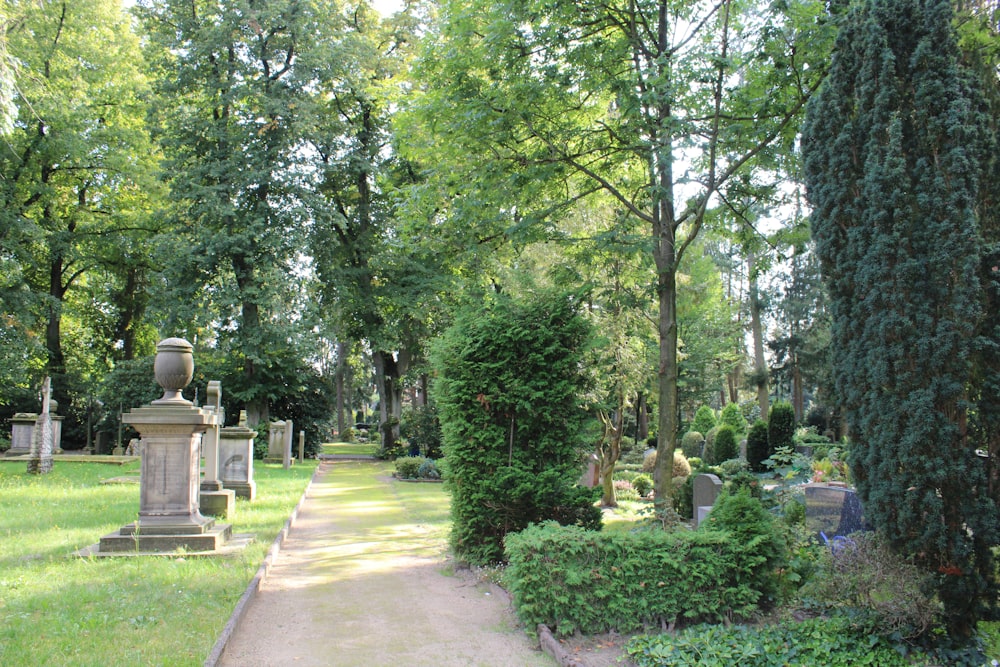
(732, 416)
(708, 454)
(780, 427)
(757, 450)
(704, 420)
(408, 467)
(692, 443)
(509, 378)
(681, 466)
(575, 580)
(726, 447)
(752, 527)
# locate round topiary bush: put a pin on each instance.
(681, 466)
(726, 447)
(692, 443)
(643, 484)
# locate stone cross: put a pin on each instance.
(40, 462)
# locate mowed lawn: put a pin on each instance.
(60, 609)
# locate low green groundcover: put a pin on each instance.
(831, 642)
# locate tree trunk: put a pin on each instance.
(641, 419)
(389, 369)
(339, 374)
(757, 330)
(55, 366)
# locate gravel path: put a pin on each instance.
(357, 583)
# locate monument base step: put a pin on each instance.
(235, 545)
(211, 540)
(218, 503)
(246, 490)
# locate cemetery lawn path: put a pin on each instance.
(363, 579)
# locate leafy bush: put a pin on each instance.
(407, 467)
(726, 447)
(692, 443)
(862, 573)
(508, 387)
(731, 416)
(704, 420)
(757, 446)
(575, 580)
(832, 642)
(428, 470)
(624, 490)
(421, 427)
(643, 484)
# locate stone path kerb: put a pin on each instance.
(334, 590)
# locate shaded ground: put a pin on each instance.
(361, 580)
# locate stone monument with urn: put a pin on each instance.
(170, 428)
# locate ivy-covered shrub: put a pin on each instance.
(575, 580)
(780, 427)
(732, 416)
(692, 443)
(726, 447)
(704, 420)
(508, 388)
(757, 450)
(831, 642)
(422, 429)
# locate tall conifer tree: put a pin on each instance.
(894, 146)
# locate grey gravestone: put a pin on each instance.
(236, 460)
(22, 428)
(275, 442)
(706, 489)
(833, 510)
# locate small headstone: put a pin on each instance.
(706, 489)
(275, 441)
(833, 510)
(21, 433)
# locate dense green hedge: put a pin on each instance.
(575, 580)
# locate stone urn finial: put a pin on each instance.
(173, 368)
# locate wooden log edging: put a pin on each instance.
(258, 580)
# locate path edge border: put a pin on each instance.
(258, 579)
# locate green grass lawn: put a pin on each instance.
(350, 448)
(59, 609)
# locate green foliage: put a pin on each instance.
(899, 151)
(643, 484)
(692, 443)
(752, 529)
(583, 581)
(416, 467)
(757, 449)
(861, 573)
(831, 642)
(726, 447)
(732, 416)
(704, 420)
(780, 427)
(421, 427)
(508, 387)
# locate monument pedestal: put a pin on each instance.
(221, 503)
(167, 538)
